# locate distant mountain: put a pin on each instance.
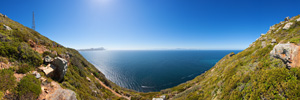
(92, 49)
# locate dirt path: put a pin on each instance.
(114, 92)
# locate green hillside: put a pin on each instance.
(251, 74)
(21, 52)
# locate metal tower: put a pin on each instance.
(33, 21)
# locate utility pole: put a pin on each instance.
(33, 21)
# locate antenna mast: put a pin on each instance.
(33, 21)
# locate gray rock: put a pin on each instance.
(63, 94)
(88, 79)
(287, 26)
(6, 27)
(286, 52)
(47, 59)
(263, 44)
(5, 16)
(298, 20)
(273, 41)
(61, 68)
(36, 74)
(287, 18)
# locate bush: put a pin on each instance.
(7, 79)
(24, 68)
(29, 88)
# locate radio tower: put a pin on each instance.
(33, 21)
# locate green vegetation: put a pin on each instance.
(251, 74)
(7, 79)
(29, 88)
(24, 68)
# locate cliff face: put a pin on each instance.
(267, 69)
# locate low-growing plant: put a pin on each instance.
(7, 79)
(24, 68)
(29, 88)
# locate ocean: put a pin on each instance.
(153, 70)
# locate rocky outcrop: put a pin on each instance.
(287, 18)
(48, 70)
(6, 27)
(288, 53)
(263, 44)
(287, 26)
(273, 41)
(47, 59)
(298, 20)
(61, 68)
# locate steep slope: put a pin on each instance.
(22, 51)
(267, 69)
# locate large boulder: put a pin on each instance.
(63, 94)
(287, 18)
(7, 27)
(288, 53)
(47, 59)
(287, 26)
(298, 20)
(61, 68)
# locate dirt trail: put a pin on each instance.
(114, 92)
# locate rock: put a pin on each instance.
(1, 15)
(5, 16)
(262, 34)
(231, 54)
(63, 94)
(298, 20)
(48, 70)
(7, 27)
(61, 68)
(288, 53)
(273, 41)
(263, 44)
(287, 18)
(88, 79)
(36, 74)
(272, 27)
(47, 59)
(287, 26)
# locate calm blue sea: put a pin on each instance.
(154, 70)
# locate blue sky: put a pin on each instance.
(151, 24)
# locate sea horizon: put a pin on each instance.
(153, 70)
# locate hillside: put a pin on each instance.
(30, 69)
(267, 69)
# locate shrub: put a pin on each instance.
(24, 68)
(29, 88)
(7, 79)
(46, 53)
(295, 40)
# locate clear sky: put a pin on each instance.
(151, 24)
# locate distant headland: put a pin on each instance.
(92, 49)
